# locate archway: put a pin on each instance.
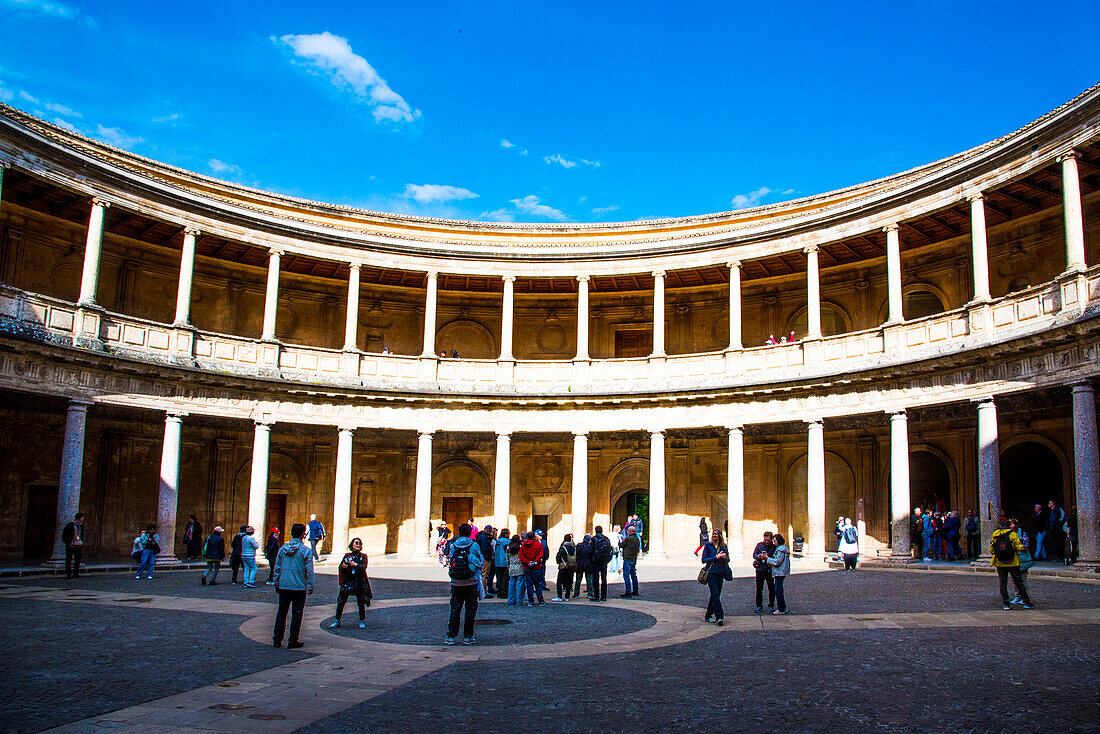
(840, 497)
(930, 479)
(628, 492)
(469, 338)
(1031, 474)
(834, 320)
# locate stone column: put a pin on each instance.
(579, 507)
(735, 304)
(979, 247)
(899, 485)
(271, 302)
(168, 490)
(257, 488)
(89, 279)
(658, 321)
(815, 489)
(187, 276)
(989, 474)
(893, 274)
(507, 318)
(1071, 207)
(1086, 460)
(72, 469)
(422, 502)
(351, 321)
(657, 493)
(502, 483)
(341, 502)
(813, 294)
(429, 317)
(582, 317)
(735, 489)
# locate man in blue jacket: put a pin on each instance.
(928, 532)
(464, 562)
(293, 582)
(500, 562)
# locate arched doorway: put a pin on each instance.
(628, 492)
(1031, 474)
(930, 480)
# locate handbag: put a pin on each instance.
(703, 573)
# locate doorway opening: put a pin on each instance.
(41, 525)
(457, 510)
(275, 518)
(633, 342)
(930, 482)
(1031, 474)
(634, 502)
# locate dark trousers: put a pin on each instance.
(850, 560)
(293, 600)
(1017, 580)
(360, 601)
(714, 605)
(463, 596)
(565, 582)
(73, 554)
(586, 576)
(761, 579)
(502, 581)
(973, 546)
(599, 576)
(270, 569)
(234, 566)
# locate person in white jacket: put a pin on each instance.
(249, 546)
(849, 544)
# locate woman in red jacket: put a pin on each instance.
(530, 555)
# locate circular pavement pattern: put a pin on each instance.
(497, 623)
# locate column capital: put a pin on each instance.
(583, 278)
(1081, 386)
(1068, 155)
(79, 404)
(275, 252)
(580, 434)
(96, 201)
(422, 432)
(738, 427)
(432, 274)
(896, 414)
(890, 228)
(192, 231)
(355, 266)
(658, 273)
(984, 401)
(814, 421)
(655, 432)
(734, 264)
(975, 196)
(346, 429)
(508, 278)
(507, 435)
(176, 416)
(810, 250)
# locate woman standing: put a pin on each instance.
(249, 546)
(441, 544)
(716, 557)
(353, 580)
(148, 543)
(271, 552)
(849, 545)
(500, 562)
(567, 565)
(780, 561)
(515, 573)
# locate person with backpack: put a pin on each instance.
(515, 573)
(500, 563)
(213, 551)
(601, 556)
(530, 554)
(972, 531)
(584, 568)
(780, 562)
(617, 537)
(1026, 561)
(235, 562)
(464, 564)
(631, 547)
(848, 547)
(1005, 546)
(567, 566)
(353, 582)
(928, 533)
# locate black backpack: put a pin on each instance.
(1003, 549)
(602, 549)
(460, 564)
(851, 535)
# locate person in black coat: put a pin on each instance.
(271, 552)
(584, 567)
(214, 552)
(353, 582)
(72, 535)
(192, 538)
(235, 561)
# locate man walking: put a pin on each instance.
(213, 552)
(235, 547)
(316, 535)
(601, 556)
(760, 555)
(630, 549)
(464, 568)
(293, 582)
(72, 535)
(1005, 546)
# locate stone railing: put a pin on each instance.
(34, 317)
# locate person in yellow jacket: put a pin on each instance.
(1005, 546)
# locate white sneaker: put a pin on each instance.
(556, 598)
(334, 625)
(362, 625)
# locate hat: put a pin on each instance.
(538, 533)
(219, 529)
(274, 530)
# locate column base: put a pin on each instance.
(898, 559)
(983, 560)
(168, 559)
(1091, 566)
(56, 562)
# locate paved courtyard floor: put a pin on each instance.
(874, 650)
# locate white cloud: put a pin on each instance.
(333, 55)
(26, 97)
(62, 110)
(601, 210)
(65, 124)
(787, 192)
(499, 215)
(167, 118)
(221, 167)
(750, 199)
(117, 137)
(566, 163)
(6, 94)
(436, 193)
(530, 205)
(50, 9)
(507, 144)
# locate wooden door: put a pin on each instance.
(634, 343)
(457, 510)
(275, 518)
(41, 525)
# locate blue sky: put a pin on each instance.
(565, 111)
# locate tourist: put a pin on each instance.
(545, 557)
(951, 526)
(601, 555)
(149, 543)
(849, 545)
(316, 535)
(780, 562)
(1026, 559)
(639, 528)
(455, 354)
(235, 554)
(214, 552)
(916, 533)
(972, 531)
(928, 532)
(717, 560)
(1040, 523)
(1056, 531)
(484, 542)
(1005, 546)
(617, 537)
(192, 537)
(72, 535)
(584, 568)
(500, 563)
(293, 582)
(515, 573)
(464, 561)
(441, 544)
(760, 555)
(704, 533)
(353, 582)
(567, 566)
(271, 550)
(1073, 536)
(473, 528)
(631, 547)
(530, 554)
(249, 546)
